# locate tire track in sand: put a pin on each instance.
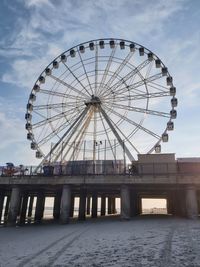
(65, 247)
(183, 244)
(192, 246)
(27, 260)
(165, 257)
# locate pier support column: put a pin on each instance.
(14, 206)
(179, 203)
(198, 197)
(65, 204)
(23, 209)
(109, 205)
(174, 203)
(125, 202)
(30, 207)
(72, 205)
(133, 204)
(94, 205)
(1, 204)
(82, 205)
(170, 204)
(103, 206)
(191, 203)
(88, 205)
(6, 209)
(56, 206)
(113, 206)
(39, 210)
(138, 204)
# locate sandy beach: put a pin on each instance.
(144, 241)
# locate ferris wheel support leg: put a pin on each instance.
(69, 138)
(66, 143)
(64, 135)
(79, 136)
(126, 150)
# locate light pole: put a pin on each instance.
(98, 144)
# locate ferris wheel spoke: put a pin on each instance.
(139, 126)
(64, 95)
(142, 110)
(149, 69)
(68, 111)
(123, 91)
(77, 79)
(131, 74)
(125, 137)
(85, 73)
(68, 86)
(128, 153)
(138, 97)
(58, 127)
(158, 87)
(58, 105)
(141, 83)
(106, 71)
(41, 115)
(96, 69)
(47, 138)
(56, 131)
(119, 69)
(53, 118)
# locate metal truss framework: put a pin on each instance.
(101, 91)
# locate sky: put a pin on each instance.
(34, 32)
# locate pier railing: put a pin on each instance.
(101, 168)
(68, 169)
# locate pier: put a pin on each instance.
(153, 176)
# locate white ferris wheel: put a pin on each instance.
(99, 100)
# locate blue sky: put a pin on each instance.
(33, 32)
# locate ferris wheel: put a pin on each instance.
(101, 98)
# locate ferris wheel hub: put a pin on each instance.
(94, 101)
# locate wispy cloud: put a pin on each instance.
(51, 29)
